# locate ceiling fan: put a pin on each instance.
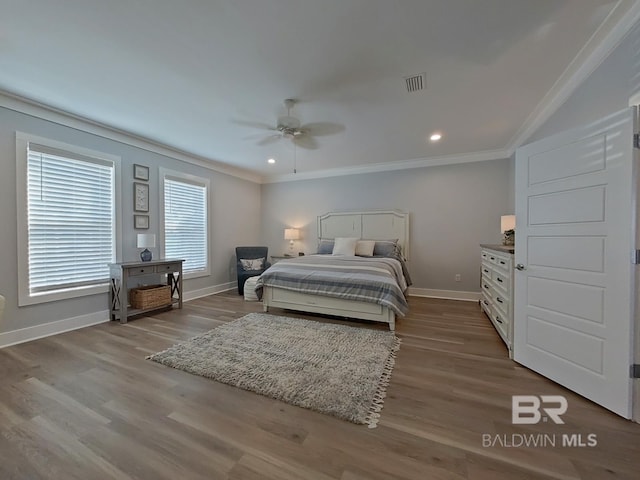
(288, 126)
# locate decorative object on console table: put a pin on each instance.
(146, 241)
(141, 222)
(140, 172)
(291, 234)
(507, 227)
(497, 289)
(140, 197)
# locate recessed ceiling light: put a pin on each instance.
(271, 160)
(435, 137)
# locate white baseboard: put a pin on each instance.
(445, 294)
(205, 292)
(27, 334)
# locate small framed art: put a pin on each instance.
(141, 222)
(140, 172)
(140, 197)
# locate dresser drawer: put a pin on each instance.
(486, 271)
(502, 282)
(501, 324)
(501, 303)
(503, 263)
(142, 270)
(487, 288)
(485, 303)
(168, 268)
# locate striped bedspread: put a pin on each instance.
(376, 280)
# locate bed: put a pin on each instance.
(369, 288)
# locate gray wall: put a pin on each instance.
(452, 209)
(607, 90)
(231, 199)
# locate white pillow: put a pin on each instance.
(344, 246)
(252, 264)
(364, 248)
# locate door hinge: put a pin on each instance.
(636, 140)
(635, 257)
(635, 371)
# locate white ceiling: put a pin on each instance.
(187, 74)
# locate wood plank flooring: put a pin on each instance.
(87, 405)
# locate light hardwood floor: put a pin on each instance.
(87, 405)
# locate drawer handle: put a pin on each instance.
(493, 258)
(502, 262)
(486, 286)
(485, 270)
(499, 279)
(142, 270)
(499, 300)
(498, 320)
(485, 302)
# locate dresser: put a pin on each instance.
(497, 289)
(130, 274)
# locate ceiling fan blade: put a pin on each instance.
(320, 129)
(269, 140)
(306, 141)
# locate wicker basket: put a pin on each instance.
(150, 296)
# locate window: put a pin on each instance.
(186, 221)
(67, 220)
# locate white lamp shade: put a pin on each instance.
(507, 222)
(291, 234)
(146, 240)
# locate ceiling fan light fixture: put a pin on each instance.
(436, 136)
(271, 161)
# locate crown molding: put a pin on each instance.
(603, 41)
(45, 112)
(391, 166)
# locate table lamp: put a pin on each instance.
(146, 241)
(291, 234)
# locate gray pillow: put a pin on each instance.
(386, 248)
(325, 246)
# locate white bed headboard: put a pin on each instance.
(375, 225)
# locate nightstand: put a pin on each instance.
(277, 258)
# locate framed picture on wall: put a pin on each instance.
(141, 222)
(140, 197)
(140, 172)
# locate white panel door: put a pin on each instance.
(575, 233)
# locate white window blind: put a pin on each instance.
(185, 223)
(71, 219)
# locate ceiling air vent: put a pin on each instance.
(415, 83)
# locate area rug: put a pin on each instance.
(330, 368)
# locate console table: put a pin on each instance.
(122, 276)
